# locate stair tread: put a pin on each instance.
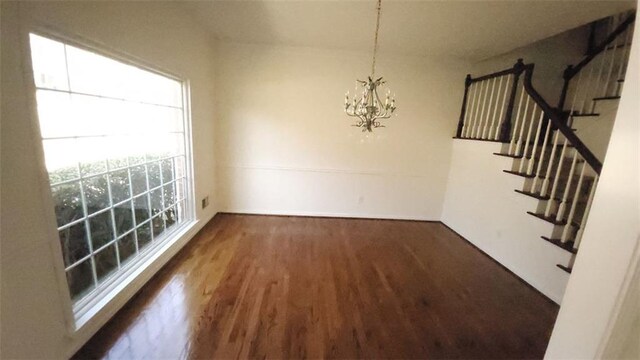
(566, 245)
(606, 98)
(567, 269)
(519, 174)
(507, 155)
(532, 194)
(551, 219)
(585, 114)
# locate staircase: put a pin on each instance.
(557, 150)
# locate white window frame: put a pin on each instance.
(80, 313)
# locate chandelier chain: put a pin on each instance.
(375, 40)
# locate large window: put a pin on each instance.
(114, 143)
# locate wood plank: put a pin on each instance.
(295, 287)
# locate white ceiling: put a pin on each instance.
(471, 30)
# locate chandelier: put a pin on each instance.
(368, 108)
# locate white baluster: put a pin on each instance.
(522, 126)
(545, 183)
(565, 232)
(575, 97)
(490, 110)
(628, 47)
(504, 102)
(587, 87)
(528, 138)
(515, 125)
(483, 100)
(602, 56)
(542, 152)
(475, 112)
(532, 159)
(478, 131)
(469, 113)
(605, 87)
(583, 222)
(554, 187)
(495, 110)
(623, 60)
(567, 188)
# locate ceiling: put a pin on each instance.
(469, 30)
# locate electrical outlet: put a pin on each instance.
(205, 202)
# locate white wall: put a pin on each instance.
(33, 304)
(481, 205)
(609, 251)
(286, 147)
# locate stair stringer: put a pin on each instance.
(482, 206)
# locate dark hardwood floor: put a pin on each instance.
(294, 287)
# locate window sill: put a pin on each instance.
(97, 311)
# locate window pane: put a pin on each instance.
(169, 195)
(120, 186)
(144, 235)
(101, 229)
(61, 160)
(158, 225)
(49, 65)
(165, 145)
(141, 208)
(170, 217)
(74, 243)
(127, 247)
(95, 74)
(138, 179)
(67, 202)
(56, 119)
(96, 193)
(137, 158)
(106, 262)
(92, 153)
(167, 170)
(154, 175)
(156, 202)
(123, 216)
(80, 279)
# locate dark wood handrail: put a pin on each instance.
(557, 118)
(572, 70)
(494, 75)
(570, 73)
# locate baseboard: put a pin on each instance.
(329, 215)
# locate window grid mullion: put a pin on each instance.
(112, 211)
(133, 209)
(149, 210)
(162, 211)
(87, 227)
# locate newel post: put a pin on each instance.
(505, 128)
(463, 111)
